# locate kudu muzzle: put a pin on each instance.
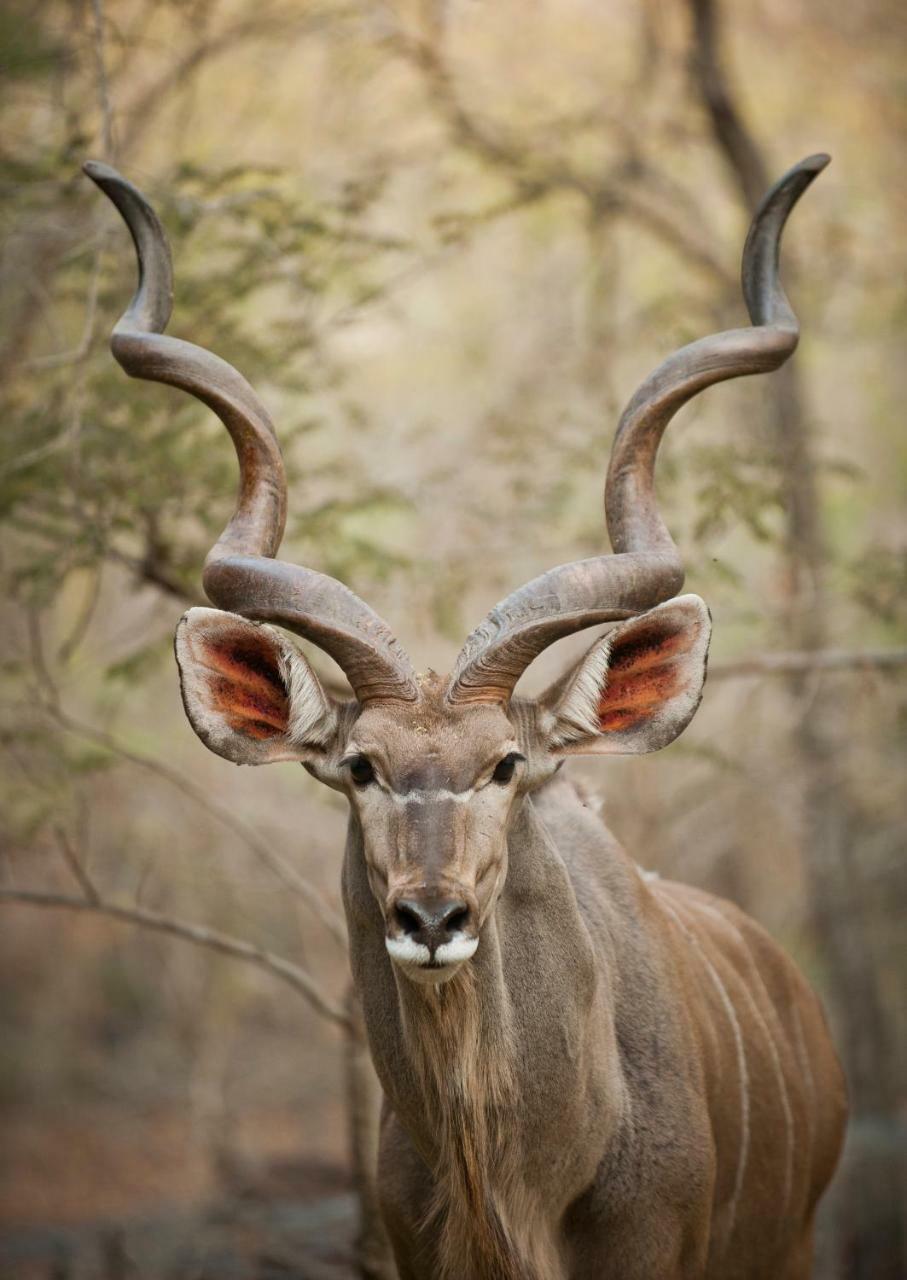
(432, 913)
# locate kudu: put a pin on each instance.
(588, 1072)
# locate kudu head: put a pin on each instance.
(433, 768)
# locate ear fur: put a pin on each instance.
(248, 693)
(638, 687)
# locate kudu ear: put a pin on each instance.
(638, 687)
(249, 694)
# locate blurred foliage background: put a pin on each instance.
(444, 241)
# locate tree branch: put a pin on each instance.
(199, 935)
(83, 619)
(76, 866)
(242, 830)
(807, 660)
(77, 353)
(152, 569)
(107, 134)
(735, 141)
(49, 698)
(538, 176)
(262, 25)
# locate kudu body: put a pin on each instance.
(589, 1073)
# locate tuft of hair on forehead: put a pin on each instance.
(431, 744)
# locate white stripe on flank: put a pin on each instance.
(785, 1102)
(776, 1058)
(803, 1059)
(803, 1054)
(741, 1061)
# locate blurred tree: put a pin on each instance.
(599, 160)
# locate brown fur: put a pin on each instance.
(593, 1124)
(470, 1091)
(613, 1079)
(486, 1217)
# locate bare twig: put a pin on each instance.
(49, 698)
(735, 141)
(244, 832)
(262, 25)
(77, 353)
(47, 687)
(61, 441)
(200, 935)
(544, 175)
(804, 661)
(76, 866)
(152, 569)
(79, 628)
(107, 132)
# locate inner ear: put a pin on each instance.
(646, 670)
(245, 684)
(249, 695)
(638, 687)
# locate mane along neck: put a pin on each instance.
(462, 1050)
(488, 1070)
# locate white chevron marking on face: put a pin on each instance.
(428, 796)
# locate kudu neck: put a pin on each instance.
(520, 1008)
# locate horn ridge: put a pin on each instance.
(645, 566)
(241, 573)
(322, 610)
(139, 345)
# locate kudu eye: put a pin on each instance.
(361, 771)
(503, 772)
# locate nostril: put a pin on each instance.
(408, 918)
(457, 920)
(431, 921)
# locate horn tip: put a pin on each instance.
(784, 194)
(99, 172)
(815, 163)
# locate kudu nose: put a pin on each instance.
(431, 922)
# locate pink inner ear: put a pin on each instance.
(644, 672)
(245, 686)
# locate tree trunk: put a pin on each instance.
(866, 1204)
